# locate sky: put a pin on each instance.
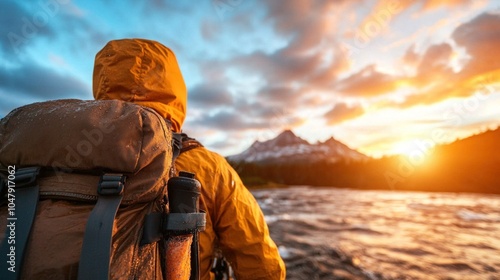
(384, 77)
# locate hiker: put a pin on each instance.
(146, 73)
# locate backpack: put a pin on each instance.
(88, 192)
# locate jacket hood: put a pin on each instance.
(144, 72)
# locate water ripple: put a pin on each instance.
(327, 233)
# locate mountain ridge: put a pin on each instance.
(288, 147)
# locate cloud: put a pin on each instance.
(230, 121)
(307, 68)
(61, 23)
(433, 4)
(481, 39)
(262, 110)
(379, 18)
(279, 96)
(313, 61)
(368, 82)
(342, 112)
(315, 54)
(18, 26)
(411, 58)
(248, 113)
(209, 30)
(287, 18)
(209, 96)
(386, 7)
(384, 12)
(310, 61)
(436, 57)
(312, 57)
(37, 83)
(278, 68)
(434, 66)
(435, 94)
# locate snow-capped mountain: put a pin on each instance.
(287, 147)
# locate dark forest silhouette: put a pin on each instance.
(467, 165)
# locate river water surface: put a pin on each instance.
(328, 233)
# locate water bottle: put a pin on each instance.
(184, 195)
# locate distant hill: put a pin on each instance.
(467, 165)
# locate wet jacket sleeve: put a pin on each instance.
(243, 233)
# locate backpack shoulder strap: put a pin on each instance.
(188, 143)
(21, 214)
(95, 256)
(181, 143)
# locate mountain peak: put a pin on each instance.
(288, 147)
(287, 132)
(286, 138)
(332, 141)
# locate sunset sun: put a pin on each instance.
(415, 150)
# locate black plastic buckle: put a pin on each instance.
(26, 177)
(111, 184)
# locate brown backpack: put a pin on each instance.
(84, 194)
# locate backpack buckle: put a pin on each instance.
(111, 184)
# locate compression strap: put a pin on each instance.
(96, 248)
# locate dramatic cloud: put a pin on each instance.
(287, 18)
(276, 96)
(315, 60)
(434, 66)
(230, 121)
(208, 96)
(367, 82)
(384, 12)
(411, 57)
(41, 83)
(253, 68)
(23, 25)
(248, 114)
(284, 67)
(481, 39)
(311, 61)
(18, 26)
(436, 58)
(313, 56)
(433, 4)
(342, 112)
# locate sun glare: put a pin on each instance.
(415, 150)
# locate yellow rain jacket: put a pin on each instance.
(146, 73)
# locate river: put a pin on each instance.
(329, 233)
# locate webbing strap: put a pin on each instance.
(188, 222)
(96, 248)
(189, 143)
(158, 224)
(176, 145)
(22, 204)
